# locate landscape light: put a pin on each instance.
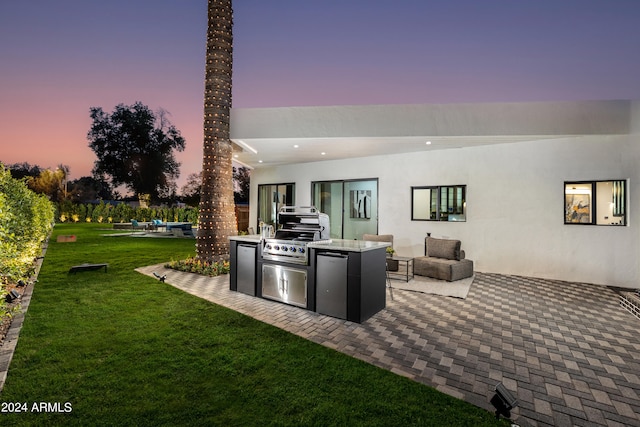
(503, 401)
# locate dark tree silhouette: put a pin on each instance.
(135, 147)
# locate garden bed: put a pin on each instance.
(5, 322)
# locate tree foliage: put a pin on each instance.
(241, 182)
(24, 170)
(52, 184)
(191, 190)
(135, 148)
(86, 189)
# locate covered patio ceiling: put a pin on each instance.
(277, 136)
(281, 151)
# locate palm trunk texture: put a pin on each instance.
(217, 220)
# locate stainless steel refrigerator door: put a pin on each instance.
(284, 284)
(331, 285)
(246, 281)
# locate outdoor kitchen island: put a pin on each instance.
(340, 278)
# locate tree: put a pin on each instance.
(242, 182)
(135, 147)
(63, 172)
(86, 189)
(50, 183)
(191, 190)
(24, 169)
(217, 219)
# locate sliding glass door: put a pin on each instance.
(271, 197)
(352, 206)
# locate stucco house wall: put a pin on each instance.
(515, 202)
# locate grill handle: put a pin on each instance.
(312, 209)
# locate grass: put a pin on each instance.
(124, 349)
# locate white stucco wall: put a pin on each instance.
(515, 203)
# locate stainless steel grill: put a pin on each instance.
(299, 227)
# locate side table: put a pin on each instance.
(404, 263)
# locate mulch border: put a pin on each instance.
(10, 340)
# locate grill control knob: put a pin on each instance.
(284, 249)
(268, 246)
(276, 247)
(292, 249)
(301, 250)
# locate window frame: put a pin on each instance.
(585, 198)
(439, 209)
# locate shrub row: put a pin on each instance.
(122, 212)
(205, 268)
(26, 220)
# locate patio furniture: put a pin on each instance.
(135, 225)
(185, 227)
(157, 224)
(443, 260)
(392, 265)
(404, 270)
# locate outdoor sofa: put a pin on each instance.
(443, 260)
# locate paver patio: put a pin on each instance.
(568, 351)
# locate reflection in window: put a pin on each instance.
(439, 203)
(271, 197)
(595, 202)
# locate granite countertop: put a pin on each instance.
(333, 244)
(349, 245)
(250, 238)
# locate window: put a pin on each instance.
(595, 202)
(439, 203)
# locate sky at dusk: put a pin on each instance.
(59, 58)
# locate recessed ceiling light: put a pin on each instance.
(323, 153)
(296, 146)
(259, 161)
(235, 155)
(428, 142)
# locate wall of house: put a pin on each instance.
(515, 203)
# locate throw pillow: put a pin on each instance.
(443, 248)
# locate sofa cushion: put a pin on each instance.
(443, 248)
(443, 269)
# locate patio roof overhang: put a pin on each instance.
(266, 137)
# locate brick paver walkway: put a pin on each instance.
(568, 351)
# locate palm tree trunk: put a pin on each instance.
(217, 219)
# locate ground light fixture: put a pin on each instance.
(12, 296)
(159, 277)
(504, 401)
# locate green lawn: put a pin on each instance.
(120, 348)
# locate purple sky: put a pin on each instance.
(59, 58)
